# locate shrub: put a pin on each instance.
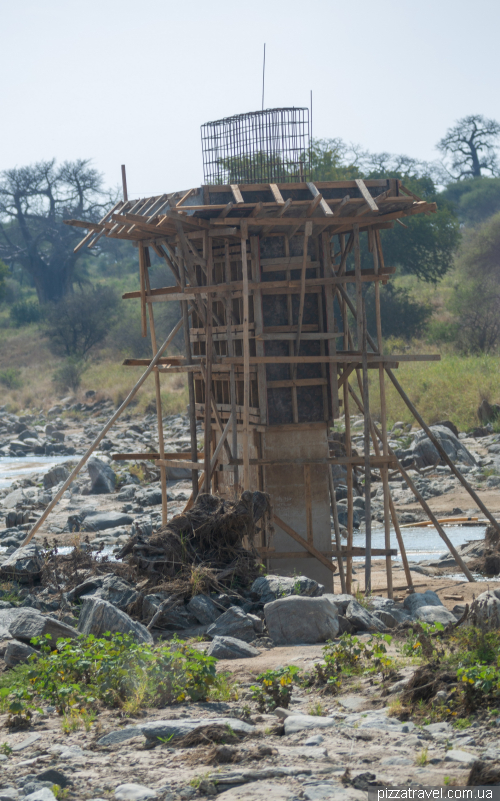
(275, 688)
(11, 378)
(25, 312)
(401, 315)
(69, 375)
(81, 321)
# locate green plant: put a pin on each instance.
(11, 378)
(5, 749)
(422, 757)
(224, 688)
(69, 374)
(462, 723)
(275, 688)
(317, 709)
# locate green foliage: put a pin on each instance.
(4, 272)
(480, 679)
(25, 312)
(81, 321)
(275, 688)
(69, 374)
(401, 315)
(224, 688)
(10, 377)
(474, 200)
(350, 656)
(80, 674)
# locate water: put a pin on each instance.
(421, 543)
(12, 469)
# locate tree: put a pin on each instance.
(4, 271)
(471, 146)
(474, 200)
(81, 321)
(34, 201)
(401, 315)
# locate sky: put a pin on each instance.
(125, 82)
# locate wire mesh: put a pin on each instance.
(271, 146)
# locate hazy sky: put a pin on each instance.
(124, 81)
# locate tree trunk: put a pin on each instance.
(52, 283)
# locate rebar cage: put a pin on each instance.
(271, 146)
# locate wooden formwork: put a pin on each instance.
(271, 287)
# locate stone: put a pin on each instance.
(174, 728)
(98, 616)
(455, 755)
(316, 740)
(438, 728)
(23, 565)
(426, 454)
(32, 738)
(396, 760)
(204, 609)
(345, 626)
(295, 723)
(231, 648)
(17, 652)
(270, 588)
(115, 590)
(55, 475)
(417, 599)
(259, 791)
(233, 623)
(301, 620)
(134, 792)
(9, 793)
(41, 795)
(173, 617)
(102, 478)
(100, 521)
(362, 619)
(54, 776)
(485, 609)
(30, 623)
(386, 618)
(435, 614)
(341, 601)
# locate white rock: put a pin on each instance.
(134, 792)
(300, 722)
(460, 756)
(301, 620)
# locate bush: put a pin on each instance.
(80, 322)
(401, 315)
(25, 312)
(11, 378)
(69, 375)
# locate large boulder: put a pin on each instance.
(362, 619)
(102, 478)
(341, 601)
(17, 652)
(435, 614)
(426, 453)
(114, 589)
(415, 600)
(270, 588)
(98, 616)
(234, 623)
(100, 521)
(231, 648)
(55, 475)
(29, 623)
(23, 565)
(204, 609)
(301, 620)
(485, 610)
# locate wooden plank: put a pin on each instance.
(343, 552)
(305, 544)
(208, 376)
(185, 197)
(286, 335)
(182, 463)
(259, 328)
(238, 197)
(340, 356)
(246, 360)
(298, 382)
(375, 461)
(142, 278)
(323, 204)
(232, 377)
(225, 211)
(367, 196)
(307, 234)
(130, 457)
(308, 499)
(277, 194)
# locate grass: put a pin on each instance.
(422, 757)
(224, 688)
(317, 709)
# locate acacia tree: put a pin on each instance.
(471, 146)
(34, 201)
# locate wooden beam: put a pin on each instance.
(323, 204)
(277, 194)
(364, 191)
(238, 197)
(305, 544)
(246, 359)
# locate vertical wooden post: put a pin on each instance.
(232, 378)
(330, 327)
(359, 288)
(124, 183)
(208, 379)
(190, 379)
(246, 360)
(308, 494)
(336, 528)
(368, 482)
(142, 279)
(159, 414)
(348, 450)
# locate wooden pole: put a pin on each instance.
(442, 451)
(208, 379)
(348, 447)
(232, 378)
(359, 289)
(159, 415)
(368, 483)
(307, 234)
(101, 436)
(336, 527)
(190, 378)
(246, 360)
(124, 183)
(142, 279)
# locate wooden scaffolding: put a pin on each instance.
(271, 286)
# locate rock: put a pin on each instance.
(115, 590)
(102, 477)
(438, 728)
(134, 792)
(233, 623)
(435, 614)
(259, 791)
(426, 454)
(54, 776)
(396, 760)
(29, 623)
(270, 588)
(455, 755)
(301, 620)
(100, 521)
(55, 475)
(204, 609)
(23, 565)
(29, 740)
(179, 727)
(485, 609)
(386, 618)
(415, 600)
(98, 616)
(231, 648)
(296, 723)
(17, 652)
(9, 793)
(362, 619)
(313, 741)
(345, 626)
(340, 601)
(41, 795)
